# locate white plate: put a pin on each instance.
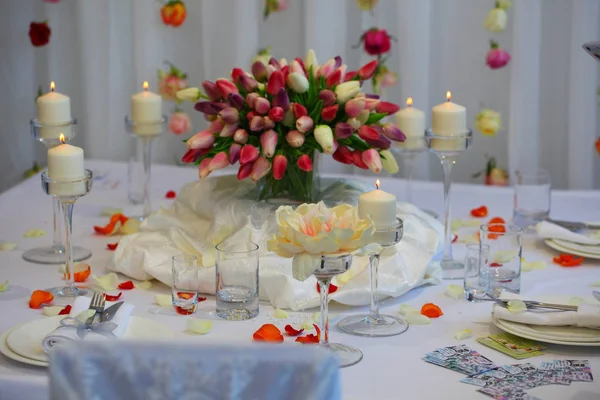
(584, 248)
(5, 350)
(26, 340)
(563, 249)
(546, 335)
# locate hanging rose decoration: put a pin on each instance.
(494, 176)
(496, 57)
(377, 42)
(39, 33)
(170, 82)
(173, 13)
(272, 6)
(488, 122)
(366, 5)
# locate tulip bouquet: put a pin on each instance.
(274, 120)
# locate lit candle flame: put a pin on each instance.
(449, 95)
(146, 85)
(377, 184)
(52, 86)
(409, 102)
(62, 138)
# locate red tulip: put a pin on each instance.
(216, 126)
(236, 73)
(244, 171)
(260, 168)
(368, 70)
(192, 155)
(248, 154)
(358, 161)
(377, 41)
(251, 114)
(226, 86)
(334, 78)
(275, 83)
(343, 155)
(305, 163)
(262, 105)
(299, 110)
(387, 108)
(366, 132)
(276, 114)
(279, 166)
(329, 113)
(348, 76)
(354, 107)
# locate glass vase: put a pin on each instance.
(296, 186)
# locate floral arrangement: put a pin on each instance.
(273, 120)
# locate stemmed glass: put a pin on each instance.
(67, 191)
(328, 267)
(49, 134)
(448, 148)
(375, 324)
(144, 133)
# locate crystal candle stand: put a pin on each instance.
(375, 324)
(448, 148)
(139, 175)
(49, 135)
(67, 191)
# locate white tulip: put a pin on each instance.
(189, 94)
(298, 82)
(346, 91)
(388, 162)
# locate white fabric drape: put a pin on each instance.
(101, 50)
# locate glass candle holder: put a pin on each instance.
(67, 191)
(374, 324)
(49, 135)
(448, 148)
(139, 174)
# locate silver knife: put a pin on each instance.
(110, 312)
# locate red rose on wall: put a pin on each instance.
(377, 41)
(39, 33)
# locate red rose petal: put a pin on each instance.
(170, 194)
(332, 288)
(291, 331)
(110, 297)
(112, 246)
(128, 285)
(66, 310)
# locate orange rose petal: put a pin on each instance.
(480, 212)
(39, 297)
(268, 333)
(82, 272)
(311, 338)
(567, 260)
(431, 310)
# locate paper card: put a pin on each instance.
(487, 341)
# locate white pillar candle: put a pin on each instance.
(53, 108)
(411, 121)
(65, 162)
(448, 119)
(379, 205)
(146, 112)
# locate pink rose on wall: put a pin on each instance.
(179, 123)
(377, 41)
(169, 83)
(497, 57)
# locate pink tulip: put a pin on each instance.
(234, 153)
(201, 140)
(226, 86)
(497, 57)
(371, 104)
(342, 68)
(304, 124)
(276, 114)
(368, 70)
(228, 130)
(334, 78)
(251, 99)
(179, 123)
(257, 124)
(211, 90)
(327, 96)
(203, 169)
(240, 136)
(229, 115)
(299, 110)
(219, 161)
(262, 105)
(270, 70)
(343, 155)
(236, 100)
(249, 84)
(268, 123)
(296, 67)
(329, 113)
(343, 130)
(279, 166)
(372, 159)
(273, 61)
(358, 161)
(248, 154)
(392, 132)
(368, 133)
(260, 168)
(244, 171)
(295, 139)
(327, 69)
(354, 107)
(268, 143)
(305, 163)
(259, 70)
(216, 126)
(275, 83)
(281, 99)
(387, 108)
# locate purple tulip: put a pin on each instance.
(275, 63)
(281, 99)
(234, 153)
(236, 100)
(229, 115)
(343, 130)
(249, 84)
(327, 96)
(207, 107)
(212, 91)
(392, 132)
(338, 62)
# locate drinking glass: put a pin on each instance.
(532, 198)
(477, 280)
(506, 244)
(237, 281)
(185, 282)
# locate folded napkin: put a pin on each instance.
(67, 331)
(548, 230)
(586, 316)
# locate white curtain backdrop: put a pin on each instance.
(101, 50)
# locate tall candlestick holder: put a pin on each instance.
(67, 191)
(140, 164)
(448, 148)
(374, 324)
(49, 135)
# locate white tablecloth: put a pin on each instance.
(392, 367)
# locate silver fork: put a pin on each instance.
(535, 304)
(97, 304)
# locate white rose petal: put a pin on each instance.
(462, 335)
(201, 326)
(132, 225)
(163, 300)
(84, 315)
(307, 325)
(456, 224)
(516, 306)
(504, 256)
(530, 266)
(417, 319)
(52, 311)
(472, 223)
(7, 246)
(455, 291)
(575, 301)
(106, 282)
(4, 287)
(595, 284)
(406, 309)
(110, 211)
(145, 285)
(279, 313)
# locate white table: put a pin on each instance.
(392, 367)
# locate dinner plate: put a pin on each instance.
(26, 340)
(547, 334)
(585, 248)
(5, 350)
(557, 246)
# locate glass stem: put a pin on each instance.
(374, 267)
(324, 289)
(447, 164)
(57, 244)
(408, 167)
(67, 209)
(147, 161)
